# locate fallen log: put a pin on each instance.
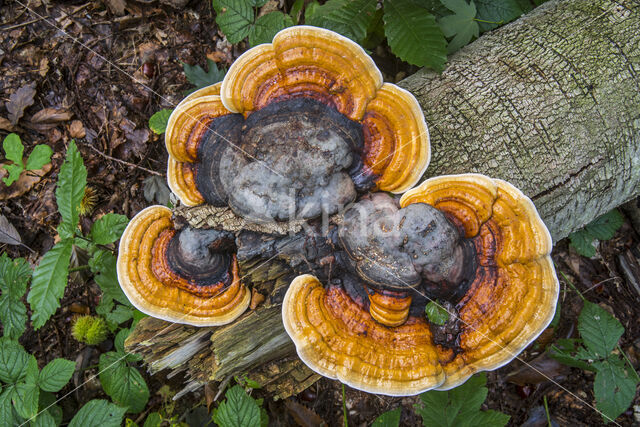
(550, 102)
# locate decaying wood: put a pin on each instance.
(550, 103)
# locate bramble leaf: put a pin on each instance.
(108, 228)
(14, 275)
(583, 243)
(56, 374)
(48, 283)
(461, 25)
(13, 360)
(614, 387)
(599, 330)
(267, 26)
(25, 399)
(237, 410)
(40, 156)
(604, 227)
(72, 181)
(349, 18)
(235, 18)
(388, 419)
(200, 78)
(414, 35)
(497, 12)
(98, 412)
(123, 383)
(158, 121)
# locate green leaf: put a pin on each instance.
(56, 374)
(123, 383)
(13, 361)
(614, 387)
(599, 330)
(235, 18)
(497, 12)
(414, 35)
(49, 282)
(267, 26)
(154, 419)
(72, 181)
(351, 18)
(604, 227)
(48, 400)
(44, 419)
(119, 315)
(14, 275)
(14, 173)
(200, 78)
(103, 264)
(98, 412)
(108, 228)
(158, 122)
(388, 419)
(459, 406)
(13, 148)
(296, 10)
(562, 352)
(25, 399)
(582, 241)
(461, 25)
(31, 372)
(40, 156)
(7, 413)
(237, 410)
(436, 313)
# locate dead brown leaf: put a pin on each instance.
(8, 233)
(52, 115)
(44, 67)
(25, 183)
(19, 101)
(6, 125)
(541, 369)
(116, 6)
(256, 299)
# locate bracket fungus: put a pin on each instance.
(186, 276)
(298, 127)
(475, 244)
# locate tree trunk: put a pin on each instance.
(550, 103)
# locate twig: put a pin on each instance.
(23, 24)
(133, 165)
(566, 279)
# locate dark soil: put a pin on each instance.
(111, 73)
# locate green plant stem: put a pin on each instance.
(488, 22)
(566, 279)
(344, 408)
(546, 409)
(629, 363)
(106, 248)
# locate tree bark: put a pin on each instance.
(550, 103)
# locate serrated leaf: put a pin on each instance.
(267, 26)
(48, 400)
(158, 121)
(155, 188)
(122, 383)
(604, 227)
(459, 406)
(56, 374)
(119, 315)
(200, 78)
(13, 361)
(235, 18)
(103, 265)
(388, 419)
(25, 399)
(237, 410)
(108, 228)
(563, 350)
(614, 388)
(7, 413)
(13, 316)
(600, 331)
(346, 17)
(31, 372)
(44, 419)
(461, 25)
(497, 12)
(8, 233)
(72, 181)
(13, 148)
(436, 313)
(583, 243)
(14, 173)
(98, 412)
(414, 35)
(40, 156)
(14, 275)
(49, 282)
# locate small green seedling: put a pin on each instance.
(436, 313)
(200, 78)
(13, 150)
(240, 410)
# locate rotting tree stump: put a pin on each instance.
(550, 103)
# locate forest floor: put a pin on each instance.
(98, 76)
